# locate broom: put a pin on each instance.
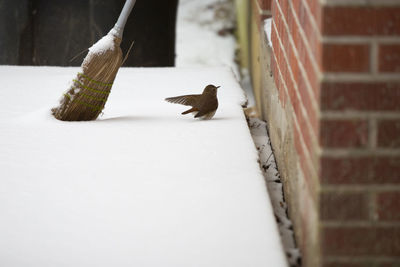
(89, 91)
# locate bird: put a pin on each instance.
(204, 105)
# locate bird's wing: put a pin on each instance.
(187, 100)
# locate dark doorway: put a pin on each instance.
(42, 32)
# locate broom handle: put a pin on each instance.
(123, 17)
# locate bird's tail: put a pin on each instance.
(189, 111)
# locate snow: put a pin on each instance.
(268, 30)
(258, 129)
(199, 43)
(104, 44)
(204, 37)
(201, 34)
(141, 186)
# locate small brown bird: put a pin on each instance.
(204, 105)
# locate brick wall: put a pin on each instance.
(333, 108)
(296, 53)
(360, 117)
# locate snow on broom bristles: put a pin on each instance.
(89, 91)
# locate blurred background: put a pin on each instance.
(42, 32)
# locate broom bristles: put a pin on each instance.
(89, 91)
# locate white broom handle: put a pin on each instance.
(123, 17)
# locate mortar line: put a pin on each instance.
(339, 152)
(363, 258)
(374, 61)
(357, 77)
(314, 137)
(301, 67)
(314, 62)
(260, 10)
(360, 187)
(314, 23)
(309, 51)
(359, 224)
(347, 3)
(345, 115)
(372, 133)
(372, 207)
(360, 39)
(308, 156)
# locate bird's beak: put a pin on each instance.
(217, 87)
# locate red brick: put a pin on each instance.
(344, 133)
(294, 100)
(273, 7)
(305, 96)
(303, 92)
(290, 22)
(312, 75)
(277, 78)
(280, 23)
(304, 128)
(305, 58)
(345, 58)
(293, 26)
(284, 34)
(389, 133)
(363, 263)
(284, 5)
(389, 58)
(264, 4)
(343, 206)
(360, 96)
(257, 14)
(295, 6)
(360, 241)
(312, 78)
(315, 9)
(299, 10)
(360, 170)
(274, 38)
(281, 90)
(306, 99)
(307, 171)
(355, 20)
(347, 21)
(294, 65)
(288, 79)
(387, 20)
(299, 43)
(388, 206)
(342, 264)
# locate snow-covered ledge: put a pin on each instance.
(141, 186)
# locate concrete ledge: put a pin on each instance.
(141, 186)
